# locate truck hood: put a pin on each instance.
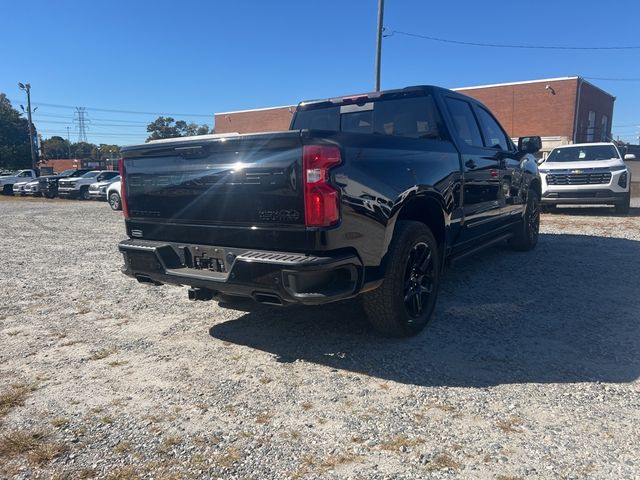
(614, 162)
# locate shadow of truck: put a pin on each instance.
(567, 312)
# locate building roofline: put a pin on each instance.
(515, 83)
(597, 88)
(255, 110)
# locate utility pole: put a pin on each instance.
(68, 142)
(379, 42)
(27, 88)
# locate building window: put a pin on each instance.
(591, 127)
(604, 131)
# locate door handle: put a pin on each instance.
(470, 164)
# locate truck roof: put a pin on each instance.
(358, 97)
(590, 144)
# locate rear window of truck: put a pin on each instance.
(414, 117)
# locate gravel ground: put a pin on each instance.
(529, 367)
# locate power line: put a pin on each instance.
(96, 124)
(131, 112)
(132, 122)
(506, 45)
(614, 79)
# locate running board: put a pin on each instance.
(494, 241)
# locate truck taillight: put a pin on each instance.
(321, 207)
(123, 190)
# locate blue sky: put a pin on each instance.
(201, 57)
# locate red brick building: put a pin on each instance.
(560, 110)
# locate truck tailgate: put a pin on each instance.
(245, 180)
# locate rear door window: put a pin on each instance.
(494, 136)
(464, 121)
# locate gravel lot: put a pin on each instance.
(529, 368)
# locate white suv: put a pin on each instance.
(586, 173)
(78, 187)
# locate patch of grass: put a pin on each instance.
(384, 386)
(117, 363)
(443, 407)
(266, 380)
(264, 417)
(123, 447)
(107, 420)
(118, 402)
(33, 445)
(168, 443)
(14, 397)
(306, 406)
(443, 461)
(228, 458)
(128, 472)
(59, 422)
(398, 442)
(100, 354)
(70, 343)
(311, 464)
(511, 425)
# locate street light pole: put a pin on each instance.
(379, 42)
(27, 88)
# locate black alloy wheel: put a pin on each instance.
(404, 303)
(418, 284)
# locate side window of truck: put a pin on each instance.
(494, 137)
(464, 121)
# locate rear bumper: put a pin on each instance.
(583, 197)
(268, 277)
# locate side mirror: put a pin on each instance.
(540, 161)
(529, 144)
(629, 156)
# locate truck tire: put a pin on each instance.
(84, 193)
(624, 206)
(7, 190)
(405, 301)
(114, 201)
(526, 232)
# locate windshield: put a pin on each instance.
(66, 173)
(91, 174)
(583, 154)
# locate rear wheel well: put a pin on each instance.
(428, 211)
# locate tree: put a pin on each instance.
(15, 151)
(168, 127)
(83, 150)
(109, 151)
(55, 147)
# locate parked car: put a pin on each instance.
(586, 173)
(32, 188)
(49, 184)
(7, 181)
(78, 187)
(366, 195)
(98, 190)
(113, 195)
(18, 188)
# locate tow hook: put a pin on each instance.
(201, 294)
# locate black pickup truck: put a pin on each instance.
(365, 195)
